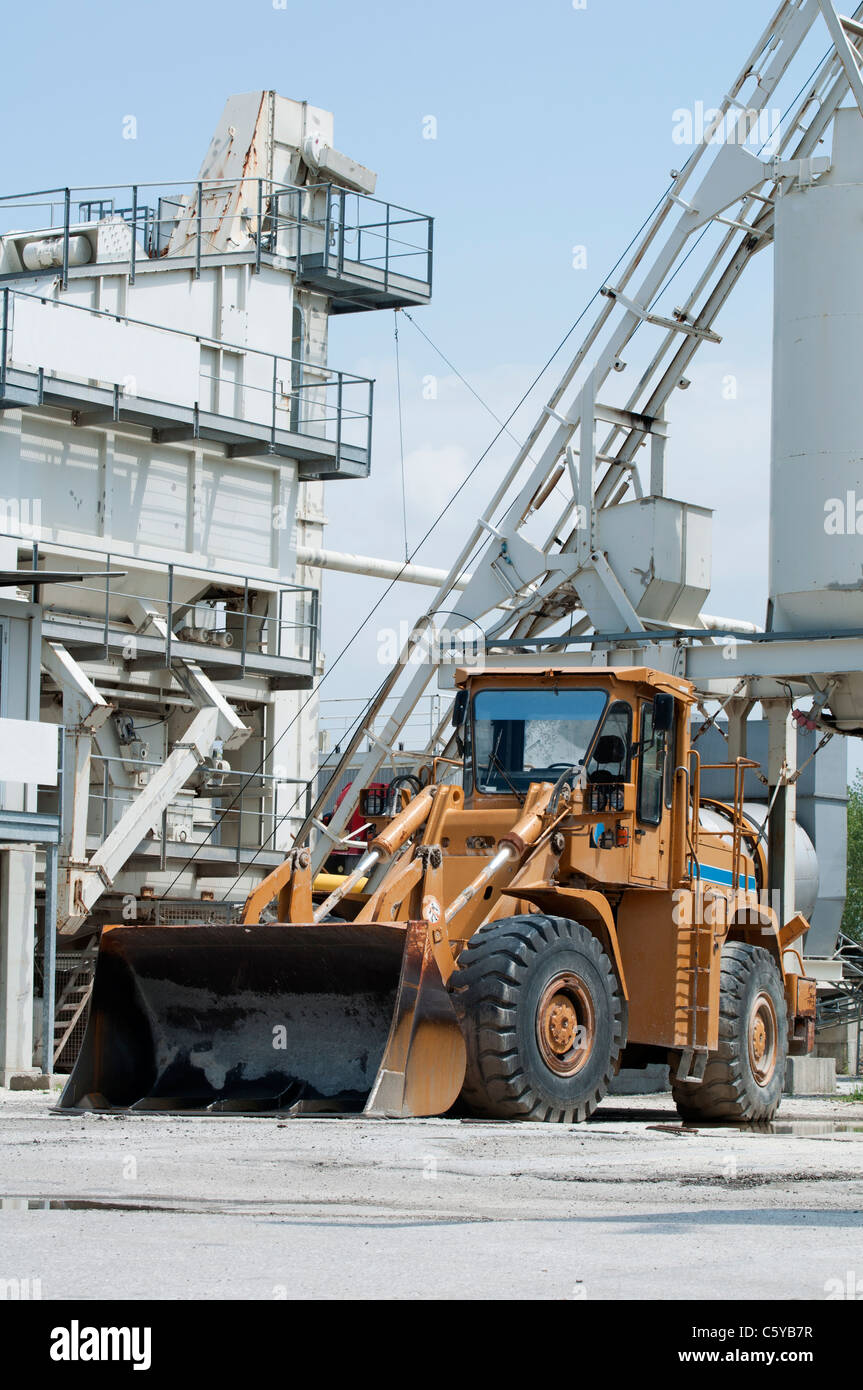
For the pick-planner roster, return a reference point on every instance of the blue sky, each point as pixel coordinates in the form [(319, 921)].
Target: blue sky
[(554, 124), (554, 129)]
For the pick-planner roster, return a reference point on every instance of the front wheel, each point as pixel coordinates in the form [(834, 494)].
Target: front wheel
[(543, 1020), (743, 1080)]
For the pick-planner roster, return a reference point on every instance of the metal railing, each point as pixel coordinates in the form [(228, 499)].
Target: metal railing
[(337, 717), (273, 390), (220, 616), (337, 720), (357, 234), (740, 825), (195, 220), (233, 812)]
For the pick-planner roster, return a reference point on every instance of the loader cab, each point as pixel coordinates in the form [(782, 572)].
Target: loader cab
[(613, 733)]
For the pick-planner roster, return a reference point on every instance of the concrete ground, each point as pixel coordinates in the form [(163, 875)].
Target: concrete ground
[(632, 1205)]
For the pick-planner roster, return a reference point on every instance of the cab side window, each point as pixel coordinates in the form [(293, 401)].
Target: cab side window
[(651, 769), (610, 759), (670, 760)]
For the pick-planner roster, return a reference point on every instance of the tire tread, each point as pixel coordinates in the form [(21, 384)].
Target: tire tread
[(492, 969), (723, 1092)]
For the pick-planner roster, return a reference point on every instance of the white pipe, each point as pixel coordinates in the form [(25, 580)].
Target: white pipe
[(714, 624), (374, 567)]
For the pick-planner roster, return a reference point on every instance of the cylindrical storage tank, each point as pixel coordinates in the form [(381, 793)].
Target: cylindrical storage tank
[(806, 879), (805, 858), (816, 482), (47, 252)]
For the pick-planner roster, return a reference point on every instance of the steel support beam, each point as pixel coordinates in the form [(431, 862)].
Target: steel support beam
[(782, 659), (201, 690), (782, 791), (91, 880), (737, 711), (84, 712), (848, 55), (17, 929), (49, 958)]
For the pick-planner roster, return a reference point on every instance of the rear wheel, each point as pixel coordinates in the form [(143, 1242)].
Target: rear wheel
[(743, 1080), (542, 1017)]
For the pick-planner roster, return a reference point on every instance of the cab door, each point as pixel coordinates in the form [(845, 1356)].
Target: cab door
[(651, 840)]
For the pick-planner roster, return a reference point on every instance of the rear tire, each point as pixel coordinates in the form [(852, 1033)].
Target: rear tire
[(542, 1017), (742, 1081)]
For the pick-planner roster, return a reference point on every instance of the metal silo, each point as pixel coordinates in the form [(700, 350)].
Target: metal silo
[(816, 505)]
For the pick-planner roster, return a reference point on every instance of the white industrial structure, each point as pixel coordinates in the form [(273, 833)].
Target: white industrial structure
[(580, 550), (816, 574), (173, 440), (168, 419)]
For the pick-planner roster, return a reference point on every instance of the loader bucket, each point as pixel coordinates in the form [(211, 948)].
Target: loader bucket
[(297, 1018)]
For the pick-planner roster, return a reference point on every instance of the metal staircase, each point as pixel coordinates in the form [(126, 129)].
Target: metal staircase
[(843, 1003), (73, 1001), (536, 566)]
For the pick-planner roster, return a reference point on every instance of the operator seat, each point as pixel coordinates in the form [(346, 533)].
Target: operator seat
[(610, 749)]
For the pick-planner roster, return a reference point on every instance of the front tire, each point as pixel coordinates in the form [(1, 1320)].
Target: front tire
[(743, 1080), (543, 1020)]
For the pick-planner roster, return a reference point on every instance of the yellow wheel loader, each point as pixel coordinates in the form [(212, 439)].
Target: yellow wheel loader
[(554, 903)]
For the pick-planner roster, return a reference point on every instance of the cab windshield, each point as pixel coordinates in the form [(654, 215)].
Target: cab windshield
[(524, 736)]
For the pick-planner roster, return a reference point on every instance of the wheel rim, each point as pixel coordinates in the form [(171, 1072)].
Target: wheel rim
[(763, 1034), (565, 1024)]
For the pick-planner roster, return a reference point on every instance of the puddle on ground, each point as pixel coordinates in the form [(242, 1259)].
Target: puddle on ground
[(811, 1129), (802, 1126), (817, 1127), (105, 1204), (250, 1208)]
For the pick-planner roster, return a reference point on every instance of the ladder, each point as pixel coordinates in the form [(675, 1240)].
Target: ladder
[(73, 1000), (696, 940), (531, 555)]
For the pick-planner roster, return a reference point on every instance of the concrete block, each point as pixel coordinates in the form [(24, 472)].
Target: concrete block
[(844, 1042), (640, 1081), (810, 1076), (21, 1080)]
